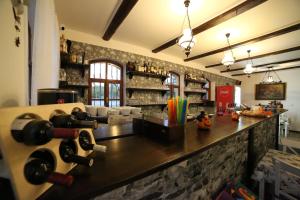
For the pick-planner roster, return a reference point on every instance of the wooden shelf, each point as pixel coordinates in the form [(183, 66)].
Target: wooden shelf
[(146, 74), (77, 86), (162, 105), (65, 63), (132, 89), (202, 82), (203, 103), (195, 91), (64, 84)]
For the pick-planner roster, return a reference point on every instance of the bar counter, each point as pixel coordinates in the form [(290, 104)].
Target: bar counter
[(136, 167)]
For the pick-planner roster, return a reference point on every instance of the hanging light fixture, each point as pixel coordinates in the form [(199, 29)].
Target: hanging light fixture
[(249, 66), (187, 40), (228, 59), (269, 77)]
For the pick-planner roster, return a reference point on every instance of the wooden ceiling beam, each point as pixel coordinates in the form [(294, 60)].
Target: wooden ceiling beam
[(286, 30), (263, 65), (243, 74), (260, 56), (233, 12), (122, 12)]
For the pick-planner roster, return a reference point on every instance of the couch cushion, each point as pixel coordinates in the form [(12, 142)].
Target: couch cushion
[(135, 110), (102, 111), (92, 110), (113, 111)]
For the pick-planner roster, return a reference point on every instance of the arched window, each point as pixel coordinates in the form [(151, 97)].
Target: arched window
[(105, 84), (173, 82)]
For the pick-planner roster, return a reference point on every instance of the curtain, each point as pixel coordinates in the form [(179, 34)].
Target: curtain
[(45, 46)]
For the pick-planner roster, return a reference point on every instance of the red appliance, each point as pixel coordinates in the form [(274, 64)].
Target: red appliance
[(228, 97)]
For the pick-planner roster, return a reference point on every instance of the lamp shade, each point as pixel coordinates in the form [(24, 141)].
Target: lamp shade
[(228, 59), (187, 39), (248, 69)]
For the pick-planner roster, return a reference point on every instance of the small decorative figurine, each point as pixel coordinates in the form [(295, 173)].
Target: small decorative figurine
[(235, 116), (203, 121)]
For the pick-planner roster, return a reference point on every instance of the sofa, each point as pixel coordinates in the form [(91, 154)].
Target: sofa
[(114, 115)]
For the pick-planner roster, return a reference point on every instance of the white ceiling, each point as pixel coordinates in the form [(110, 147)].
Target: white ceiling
[(154, 22)]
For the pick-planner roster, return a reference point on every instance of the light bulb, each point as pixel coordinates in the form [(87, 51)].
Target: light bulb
[(248, 69), (228, 59), (270, 79), (187, 39)]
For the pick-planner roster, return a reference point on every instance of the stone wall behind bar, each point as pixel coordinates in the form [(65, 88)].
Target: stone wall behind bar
[(97, 52)]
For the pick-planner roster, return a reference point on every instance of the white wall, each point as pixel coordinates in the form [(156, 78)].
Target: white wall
[(292, 102), (122, 46), (14, 60), (45, 46)]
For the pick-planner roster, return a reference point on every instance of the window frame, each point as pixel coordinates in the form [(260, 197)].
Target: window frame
[(172, 86), (105, 81)]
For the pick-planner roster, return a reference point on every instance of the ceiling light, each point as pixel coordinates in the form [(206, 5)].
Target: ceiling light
[(228, 59), (249, 66), (187, 40), (268, 78)]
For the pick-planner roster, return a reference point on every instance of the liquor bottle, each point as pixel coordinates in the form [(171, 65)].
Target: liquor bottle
[(85, 141), (68, 153), (39, 170), (62, 120), (80, 115), (145, 67), (38, 132)]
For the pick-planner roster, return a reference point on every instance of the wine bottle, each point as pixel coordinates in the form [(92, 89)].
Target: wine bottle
[(39, 132), (38, 171), (69, 121), (80, 115), (85, 141), (67, 151)]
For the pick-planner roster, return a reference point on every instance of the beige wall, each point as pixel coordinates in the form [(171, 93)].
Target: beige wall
[(13, 67), (291, 77)]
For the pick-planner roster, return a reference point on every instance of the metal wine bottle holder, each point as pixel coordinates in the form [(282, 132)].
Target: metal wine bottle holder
[(15, 154)]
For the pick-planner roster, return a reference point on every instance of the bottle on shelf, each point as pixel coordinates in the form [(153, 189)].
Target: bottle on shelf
[(40, 167), (68, 153), (85, 142), (32, 131), (63, 120)]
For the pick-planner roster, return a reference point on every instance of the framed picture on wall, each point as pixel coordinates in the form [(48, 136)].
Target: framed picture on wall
[(271, 91)]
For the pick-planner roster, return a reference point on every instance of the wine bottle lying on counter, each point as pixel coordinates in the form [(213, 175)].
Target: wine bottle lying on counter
[(39, 169), (80, 115), (68, 153), (85, 142), (62, 120), (38, 132)]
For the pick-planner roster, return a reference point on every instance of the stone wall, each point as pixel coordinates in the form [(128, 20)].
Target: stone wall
[(196, 178), (97, 52), (263, 138), (202, 175)]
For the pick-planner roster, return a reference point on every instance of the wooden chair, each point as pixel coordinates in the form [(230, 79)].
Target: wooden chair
[(281, 169)]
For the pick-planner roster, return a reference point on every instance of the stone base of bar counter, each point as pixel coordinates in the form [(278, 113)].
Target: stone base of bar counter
[(137, 167), (201, 176), (196, 178)]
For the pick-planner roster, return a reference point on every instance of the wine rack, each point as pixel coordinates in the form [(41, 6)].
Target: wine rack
[(16, 154)]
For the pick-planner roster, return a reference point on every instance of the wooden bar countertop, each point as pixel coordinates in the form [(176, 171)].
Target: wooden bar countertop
[(131, 158)]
